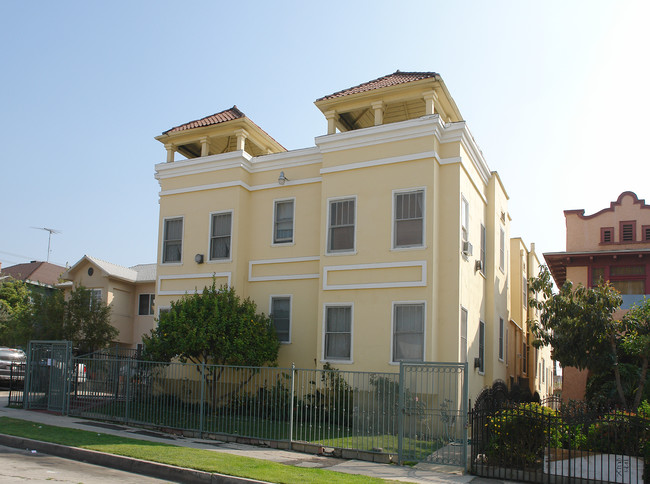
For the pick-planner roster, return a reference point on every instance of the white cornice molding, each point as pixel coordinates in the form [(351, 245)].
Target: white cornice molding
[(239, 159), (238, 183), (385, 133), (381, 161), (459, 132), (422, 264)]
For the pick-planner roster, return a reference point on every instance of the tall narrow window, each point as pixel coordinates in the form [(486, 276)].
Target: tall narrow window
[(464, 219), (483, 247), (408, 332), (172, 240), (281, 316), (463, 335), (501, 336), (543, 371), (524, 291), (338, 333), (502, 249), (524, 356), (341, 229), (283, 222), (95, 297), (481, 347), (409, 219), (220, 235)]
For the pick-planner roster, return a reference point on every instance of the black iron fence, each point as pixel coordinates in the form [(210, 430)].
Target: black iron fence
[(533, 443), (16, 384)]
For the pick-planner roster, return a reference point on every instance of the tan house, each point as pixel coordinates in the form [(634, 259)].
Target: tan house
[(610, 245), (386, 241), (129, 291)]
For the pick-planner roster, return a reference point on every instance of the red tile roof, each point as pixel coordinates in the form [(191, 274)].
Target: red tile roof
[(36, 271), (390, 80), (222, 117)]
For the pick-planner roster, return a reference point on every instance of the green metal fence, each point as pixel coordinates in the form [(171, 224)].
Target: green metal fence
[(415, 415)]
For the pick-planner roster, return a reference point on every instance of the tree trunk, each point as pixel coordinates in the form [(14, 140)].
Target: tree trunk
[(617, 374), (639, 391)]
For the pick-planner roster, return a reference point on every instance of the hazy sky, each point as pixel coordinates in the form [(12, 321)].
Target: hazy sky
[(554, 92)]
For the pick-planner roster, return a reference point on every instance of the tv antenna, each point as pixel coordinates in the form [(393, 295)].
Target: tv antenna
[(49, 238)]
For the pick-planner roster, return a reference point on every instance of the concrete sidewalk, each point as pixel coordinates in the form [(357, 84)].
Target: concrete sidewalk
[(421, 473)]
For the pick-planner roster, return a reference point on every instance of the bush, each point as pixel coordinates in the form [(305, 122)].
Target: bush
[(518, 435)]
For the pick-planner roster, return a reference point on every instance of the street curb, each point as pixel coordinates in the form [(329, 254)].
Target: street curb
[(128, 464)]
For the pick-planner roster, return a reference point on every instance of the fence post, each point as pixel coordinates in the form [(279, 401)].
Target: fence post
[(128, 390), (293, 373), (400, 416), (201, 407)]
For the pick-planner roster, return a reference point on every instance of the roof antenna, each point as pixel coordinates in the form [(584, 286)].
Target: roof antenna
[(49, 238)]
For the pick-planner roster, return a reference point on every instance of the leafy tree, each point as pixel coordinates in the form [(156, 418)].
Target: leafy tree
[(214, 326), (579, 324), (636, 341), (86, 321), (15, 303)]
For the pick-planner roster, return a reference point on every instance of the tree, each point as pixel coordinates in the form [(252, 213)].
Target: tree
[(214, 326), (579, 325), (15, 302), (86, 321), (636, 341)]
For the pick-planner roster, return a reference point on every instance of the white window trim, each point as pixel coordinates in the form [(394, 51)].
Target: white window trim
[(482, 251), (502, 267), (352, 251), (290, 296), (423, 245), (232, 246), (392, 329), (324, 327), (460, 335), (162, 308), (464, 221), (92, 291), (162, 241), (293, 223)]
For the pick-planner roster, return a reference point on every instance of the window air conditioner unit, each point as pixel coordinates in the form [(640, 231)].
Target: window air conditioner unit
[(467, 248), (478, 266)]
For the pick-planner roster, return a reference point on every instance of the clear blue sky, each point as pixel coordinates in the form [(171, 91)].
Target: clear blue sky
[(555, 93)]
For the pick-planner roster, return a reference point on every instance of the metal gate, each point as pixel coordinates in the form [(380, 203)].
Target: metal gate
[(47, 379), (433, 419)]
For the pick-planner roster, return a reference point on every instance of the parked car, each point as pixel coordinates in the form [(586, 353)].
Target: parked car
[(9, 356)]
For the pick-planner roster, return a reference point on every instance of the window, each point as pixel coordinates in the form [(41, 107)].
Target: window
[(464, 219), (606, 235), (627, 279), (409, 219), (95, 297), (283, 222), (220, 232), (341, 225), (281, 316), (543, 371), (145, 305), (408, 332), (338, 333), (524, 291), (523, 357), (646, 233), (481, 347), (628, 231), (507, 342), (501, 335), (463, 335), (483, 247), (172, 240), (502, 249)]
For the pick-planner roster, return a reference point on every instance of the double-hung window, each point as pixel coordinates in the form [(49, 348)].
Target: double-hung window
[(463, 335), (338, 333), (464, 219), (95, 297), (408, 332), (172, 240), (283, 222), (220, 235), (145, 304), (483, 247), (502, 249), (341, 228), (408, 230), (501, 336), (281, 316)]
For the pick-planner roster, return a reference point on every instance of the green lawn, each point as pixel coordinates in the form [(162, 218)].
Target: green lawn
[(203, 460)]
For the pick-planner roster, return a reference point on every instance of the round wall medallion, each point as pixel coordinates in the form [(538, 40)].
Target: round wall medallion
[(90, 271)]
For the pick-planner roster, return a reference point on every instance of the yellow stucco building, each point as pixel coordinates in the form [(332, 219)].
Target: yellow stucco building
[(388, 240)]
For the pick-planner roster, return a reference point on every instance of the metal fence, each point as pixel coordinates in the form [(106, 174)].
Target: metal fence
[(418, 414), (16, 383), (528, 442)]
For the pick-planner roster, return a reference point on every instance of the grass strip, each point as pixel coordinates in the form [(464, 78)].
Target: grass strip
[(199, 459)]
